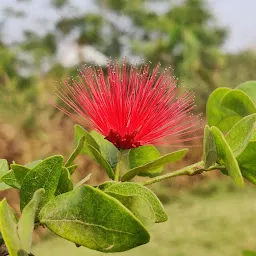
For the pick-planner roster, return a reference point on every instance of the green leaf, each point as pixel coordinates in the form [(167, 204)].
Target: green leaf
[(89, 217), (106, 184), (33, 164), (19, 172), (249, 88), (240, 134), (65, 184), (217, 114), (8, 226), (247, 162), (10, 179), (226, 157), (81, 182), (107, 149), (92, 149), (172, 157), (135, 192), (89, 140), (239, 102), (249, 253), (72, 168), (102, 161), (4, 168), (26, 222), (143, 155), (210, 153), (76, 152), (45, 175)]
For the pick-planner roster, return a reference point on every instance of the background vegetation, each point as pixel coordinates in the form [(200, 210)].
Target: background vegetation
[(206, 218)]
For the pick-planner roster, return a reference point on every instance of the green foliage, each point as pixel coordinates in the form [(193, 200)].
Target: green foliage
[(45, 175), (105, 226), (210, 153), (8, 224), (241, 133), (152, 165), (3, 170), (249, 253), (226, 157), (142, 155), (249, 88), (130, 193), (26, 222)]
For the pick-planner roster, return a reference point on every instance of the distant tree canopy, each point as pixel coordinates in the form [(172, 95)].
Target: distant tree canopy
[(182, 35)]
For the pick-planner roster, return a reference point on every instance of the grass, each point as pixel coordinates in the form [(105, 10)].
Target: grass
[(213, 218)]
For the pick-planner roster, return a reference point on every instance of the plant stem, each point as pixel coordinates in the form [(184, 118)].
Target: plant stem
[(190, 170), (118, 166)]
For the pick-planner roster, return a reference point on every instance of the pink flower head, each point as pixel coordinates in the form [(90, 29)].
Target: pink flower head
[(131, 106)]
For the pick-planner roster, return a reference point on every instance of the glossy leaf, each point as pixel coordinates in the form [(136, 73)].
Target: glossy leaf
[(8, 226), (76, 151), (107, 149), (65, 184), (135, 191), (249, 88), (45, 175), (26, 222), (210, 152), (142, 155), (89, 217), (226, 157), (217, 114), (19, 172), (241, 133), (239, 102), (172, 157)]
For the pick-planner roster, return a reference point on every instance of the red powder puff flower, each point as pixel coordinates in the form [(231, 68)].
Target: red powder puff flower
[(131, 106)]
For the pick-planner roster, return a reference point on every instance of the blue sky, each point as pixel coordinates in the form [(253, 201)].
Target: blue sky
[(239, 16)]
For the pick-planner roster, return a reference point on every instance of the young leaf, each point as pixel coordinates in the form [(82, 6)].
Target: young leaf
[(76, 152), (65, 184), (72, 168), (247, 162), (8, 225), (240, 134), (217, 114), (102, 161), (89, 140), (239, 102), (10, 179), (33, 164), (133, 190), (210, 153), (26, 222), (226, 157), (249, 88), (19, 172), (89, 217), (143, 155), (4, 168), (45, 175), (168, 158), (107, 149)]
